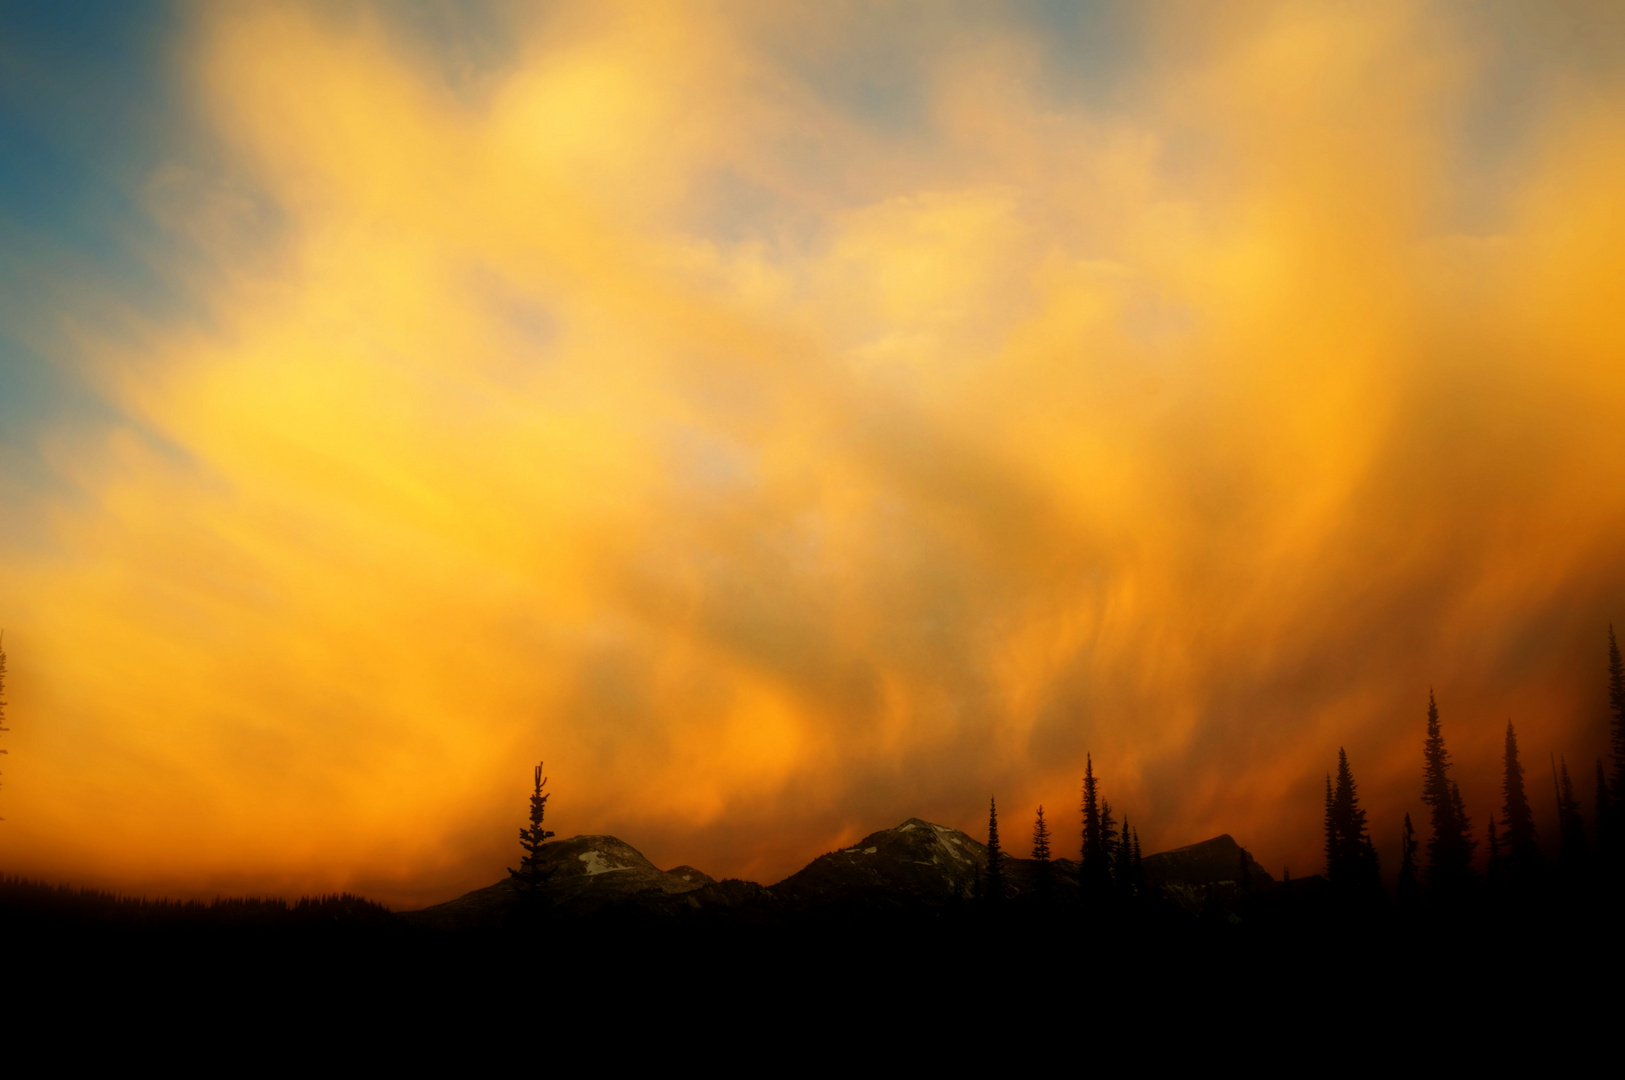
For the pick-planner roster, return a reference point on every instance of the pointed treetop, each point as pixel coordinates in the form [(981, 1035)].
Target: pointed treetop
[(1451, 845), (1094, 868), (532, 874), (1351, 863), (1041, 850), (995, 855), (1523, 857)]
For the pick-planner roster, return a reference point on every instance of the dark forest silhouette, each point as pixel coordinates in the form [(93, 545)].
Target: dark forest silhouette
[(1447, 874), (925, 891)]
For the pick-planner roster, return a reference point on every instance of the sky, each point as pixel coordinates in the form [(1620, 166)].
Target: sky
[(788, 419)]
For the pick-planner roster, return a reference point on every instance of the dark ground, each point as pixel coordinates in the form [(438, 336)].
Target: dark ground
[(1254, 983)]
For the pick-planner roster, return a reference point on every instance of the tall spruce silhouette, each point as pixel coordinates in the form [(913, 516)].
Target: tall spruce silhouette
[(1094, 872), (532, 874), (1043, 869), (1572, 847), (1123, 860), (1522, 855), (1409, 890), (995, 856), (1450, 848), (1351, 861)]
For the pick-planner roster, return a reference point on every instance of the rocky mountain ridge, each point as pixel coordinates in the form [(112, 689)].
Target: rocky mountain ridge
[(914, 865)]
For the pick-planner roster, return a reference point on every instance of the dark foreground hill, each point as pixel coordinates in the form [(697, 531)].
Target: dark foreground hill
[(890, 926)]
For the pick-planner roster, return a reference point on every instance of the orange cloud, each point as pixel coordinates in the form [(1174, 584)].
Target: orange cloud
[(778, 477)]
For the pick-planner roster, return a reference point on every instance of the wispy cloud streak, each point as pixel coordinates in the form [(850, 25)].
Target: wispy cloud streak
[(780, 465)]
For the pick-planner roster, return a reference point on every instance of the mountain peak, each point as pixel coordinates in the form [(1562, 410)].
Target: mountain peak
[(586, 874), (914, 862), (1210, 862), (689, 874)]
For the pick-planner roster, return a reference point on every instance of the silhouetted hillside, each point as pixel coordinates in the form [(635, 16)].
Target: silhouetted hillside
[(24, 900)]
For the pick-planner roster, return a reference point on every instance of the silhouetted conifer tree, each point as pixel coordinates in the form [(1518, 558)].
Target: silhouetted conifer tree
[(532, 874), (1043, 870), (1123, 863), (1139, 867), (1351, 861), (1572, 847), (1522, 856), (1450, 848), (1408, 891), (1094, 871), (995, 856)]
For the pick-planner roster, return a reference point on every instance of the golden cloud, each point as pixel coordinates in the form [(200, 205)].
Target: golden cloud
[(777, 477)]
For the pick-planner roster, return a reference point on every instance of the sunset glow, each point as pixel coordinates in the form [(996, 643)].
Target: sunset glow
[(787, 420)]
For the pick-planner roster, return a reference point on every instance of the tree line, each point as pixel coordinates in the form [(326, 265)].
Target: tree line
[(1517, 863), (1444, 869), (1109, 863)]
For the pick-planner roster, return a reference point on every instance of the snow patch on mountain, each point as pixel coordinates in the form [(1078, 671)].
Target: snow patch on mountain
[(596, 865)]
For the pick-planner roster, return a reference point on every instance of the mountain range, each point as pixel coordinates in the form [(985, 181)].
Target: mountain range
[(916, 865)]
